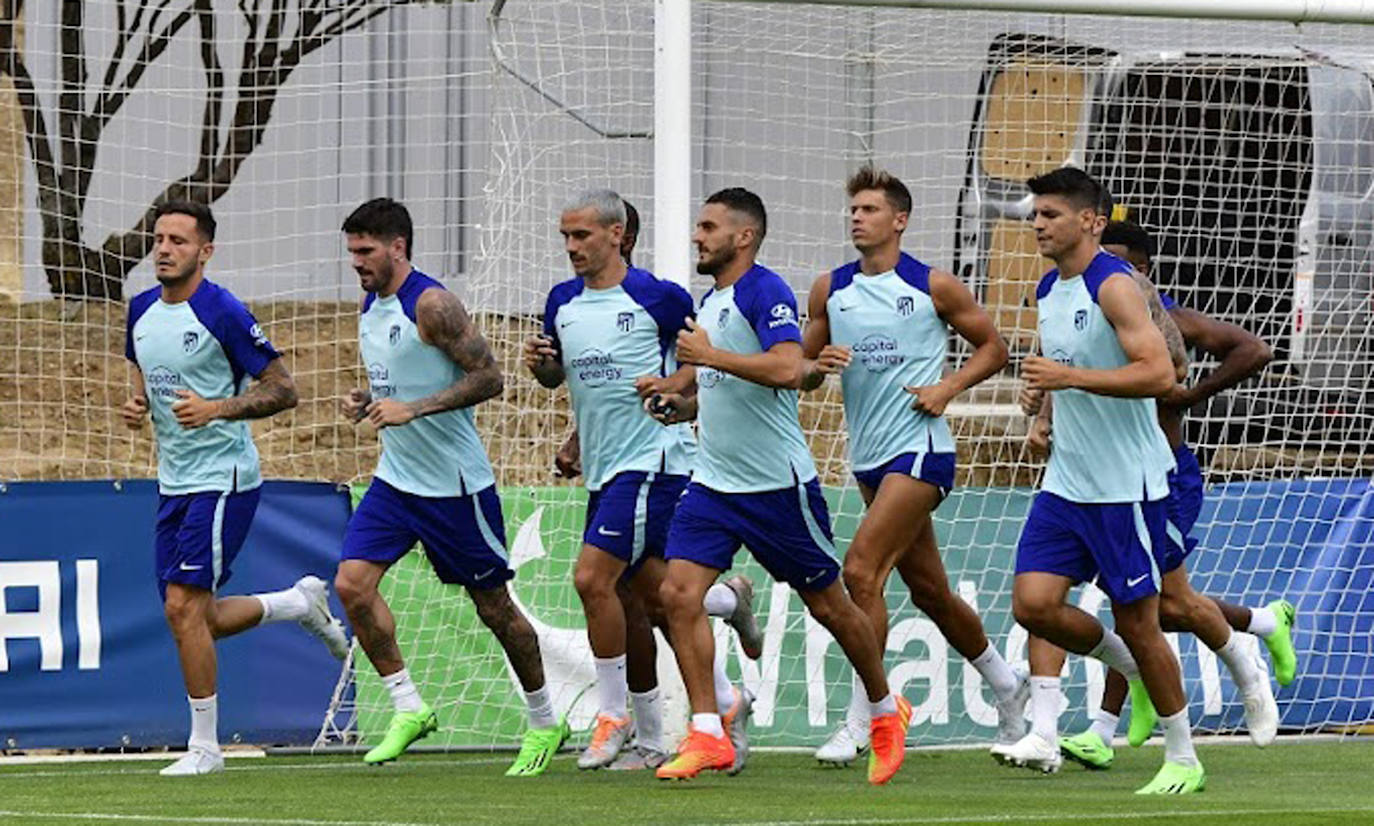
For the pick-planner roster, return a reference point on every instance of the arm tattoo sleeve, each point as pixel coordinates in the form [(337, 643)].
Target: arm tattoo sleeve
[(273, 392), (1178, 350), (445, 324)]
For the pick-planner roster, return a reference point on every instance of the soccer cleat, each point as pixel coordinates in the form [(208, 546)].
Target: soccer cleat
[(538, 748), (1087, 750), (608, 738), (736, 723), (1030, 752), (843, 747), (1011, 712), (638, 758), (742, 619), (887, 733), (195, 761), (1143, 714), (699, 752), (1261, 712), (318, 620), (405, 728), (1280, 643), (1176, 778)]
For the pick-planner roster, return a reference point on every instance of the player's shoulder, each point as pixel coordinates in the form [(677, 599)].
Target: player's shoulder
[(1046, 284), (212, 302), (413, 288), (564, 291), (914, 272), (646, 288), (1102, 268), (139, 304), (842, 276)]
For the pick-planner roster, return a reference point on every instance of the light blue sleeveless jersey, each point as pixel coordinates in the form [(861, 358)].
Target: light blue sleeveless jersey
[(607, 339), (749, 437), (898, 340), (438, 455), (210, 345), (1105, 449)]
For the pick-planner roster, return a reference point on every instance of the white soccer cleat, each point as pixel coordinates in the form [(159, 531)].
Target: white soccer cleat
[(608, 738), (1011, 712), (638, 758), (736, 723), (195, 761), (1261, 712), (742, 619), (1030, 752), (318, 619), (843, 747)]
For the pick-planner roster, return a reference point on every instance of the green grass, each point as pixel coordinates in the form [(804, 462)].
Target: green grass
[(1289, 783)]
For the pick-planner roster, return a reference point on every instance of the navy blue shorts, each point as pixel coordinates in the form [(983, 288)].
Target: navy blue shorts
[(787, 530), (463, 536), (628, 518), (1184, 505), (932, 468), (1121, 544), (199, 534)]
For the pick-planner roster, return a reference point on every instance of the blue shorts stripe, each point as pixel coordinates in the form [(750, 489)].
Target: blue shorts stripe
[(217, 541), (817, 535), (641, 517), (1142, 535), (496, 545)]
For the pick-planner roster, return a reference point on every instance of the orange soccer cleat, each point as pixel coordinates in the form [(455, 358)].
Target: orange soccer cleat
[(699, 752), (888, 740)]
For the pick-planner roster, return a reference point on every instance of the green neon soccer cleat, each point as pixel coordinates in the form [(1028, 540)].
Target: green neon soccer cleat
[(406, 727), (1088, 750), (538, 748)]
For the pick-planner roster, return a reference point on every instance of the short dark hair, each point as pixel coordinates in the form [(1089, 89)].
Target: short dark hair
[(742, 200), (871, 177), (1073, 184), (631, 219), (205, 220), (1130, 235), (382, 218)]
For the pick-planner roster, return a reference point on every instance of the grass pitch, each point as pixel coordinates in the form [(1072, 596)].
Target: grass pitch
[(1290, 783)]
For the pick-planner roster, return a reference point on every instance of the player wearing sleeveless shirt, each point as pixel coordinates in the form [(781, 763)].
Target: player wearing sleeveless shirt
[(427, 365), (882, 324)]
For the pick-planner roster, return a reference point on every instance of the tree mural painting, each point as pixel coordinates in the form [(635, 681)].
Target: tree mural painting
[(91, 89)]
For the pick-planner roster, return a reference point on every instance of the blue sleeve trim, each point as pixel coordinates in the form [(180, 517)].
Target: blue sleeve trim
[(561, 294), (1043, 288), (409, 293), (914, 272), (137, 307), (666, 303), (1104, 265), (1168, 301), (368, 299), (769, 305), (239, 335), (842, 277)]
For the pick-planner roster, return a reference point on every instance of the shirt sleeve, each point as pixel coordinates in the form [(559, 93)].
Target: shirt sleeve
[(772, 311), (243, 339), (551, 305)]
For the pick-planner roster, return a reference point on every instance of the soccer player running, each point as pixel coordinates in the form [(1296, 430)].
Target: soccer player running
[(1101, 511), (754, 483), (1240, 355), (194, 347), (427, 365), (882, 323), (610, 333)]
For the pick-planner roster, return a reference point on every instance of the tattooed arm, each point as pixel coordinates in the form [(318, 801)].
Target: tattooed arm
[(445, 324), (273, 392), (1178, 350)]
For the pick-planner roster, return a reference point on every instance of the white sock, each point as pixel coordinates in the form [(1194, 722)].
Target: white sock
[(708, 724), (648, 719), (858, 718), (610, 685), (1178, 739), (1240, 663), (289, 605), (997, 673), (1262, 622), (1104, 724), (404, 695), (887, 705), (204, 723), (1044, 703), (541, 708), (725, 692), (1112, 650), (720, 600)]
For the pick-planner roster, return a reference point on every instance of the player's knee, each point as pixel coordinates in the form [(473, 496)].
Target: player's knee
[(677, 599), (181, 610), (351, 591), (592, 587), (861, 581), (930, 597), (1034, 615), (1175, 613)]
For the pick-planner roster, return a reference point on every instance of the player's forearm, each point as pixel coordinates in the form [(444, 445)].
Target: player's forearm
[(769, 369), (549, 374), (473, 388), (265, 398), (812, 376), (1244, 361), (988, 358), (1139, 379)]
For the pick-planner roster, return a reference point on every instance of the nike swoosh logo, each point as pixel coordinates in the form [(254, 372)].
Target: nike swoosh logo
[(845, 309), (814, 577), (601, 529), (186, 567), (140, 338), (483, 575), (1131, 583), (563, 325)]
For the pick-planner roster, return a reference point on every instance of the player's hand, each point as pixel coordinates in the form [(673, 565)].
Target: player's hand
[(538, 350), (693, 344), (354, 404), (833, 359), (1038, 438), (1030, 400), (135, 411), (670, 408), (1178, 398), (932, 399), (568, 460), (647, 386), (1041, 373), (389, 413), (192, 411)]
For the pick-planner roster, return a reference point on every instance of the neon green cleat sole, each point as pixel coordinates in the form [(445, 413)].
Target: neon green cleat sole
[(1087, 750), (538, 748), (1175, 778), (1280, 643), (405, 728), (1143, 715)]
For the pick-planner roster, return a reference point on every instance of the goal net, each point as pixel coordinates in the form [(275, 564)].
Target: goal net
[(1246, 148)]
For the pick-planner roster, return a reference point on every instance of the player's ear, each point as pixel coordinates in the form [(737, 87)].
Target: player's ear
[(901, 221), (206, 250)]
